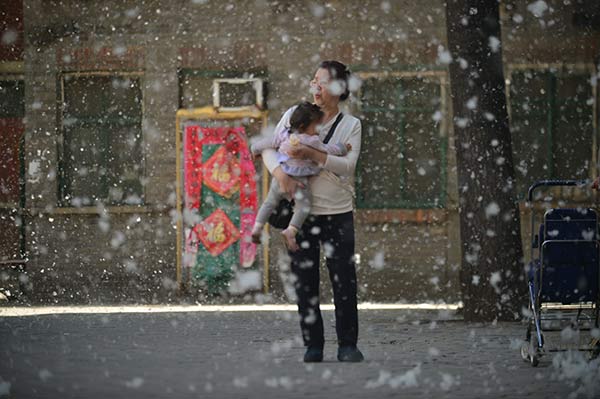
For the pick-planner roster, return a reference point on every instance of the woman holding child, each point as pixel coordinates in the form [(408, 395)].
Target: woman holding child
[(329, 220)]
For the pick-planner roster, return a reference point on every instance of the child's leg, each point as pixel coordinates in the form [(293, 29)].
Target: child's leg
[(303, 203), (268, 206)]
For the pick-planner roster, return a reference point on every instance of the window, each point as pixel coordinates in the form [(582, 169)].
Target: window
[(102, 158), (196, 88), (12, 97), (12, 195), (12, 111), (403, 156), (552, 125)]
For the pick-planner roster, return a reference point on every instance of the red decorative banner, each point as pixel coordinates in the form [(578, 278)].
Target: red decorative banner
[(230, 168)]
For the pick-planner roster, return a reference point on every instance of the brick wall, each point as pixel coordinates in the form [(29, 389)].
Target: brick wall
[(73, 260)]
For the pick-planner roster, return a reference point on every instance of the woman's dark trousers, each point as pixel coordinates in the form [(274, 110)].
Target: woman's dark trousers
[(335, 235)]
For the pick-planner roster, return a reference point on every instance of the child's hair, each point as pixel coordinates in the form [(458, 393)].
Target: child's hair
[(305, 114)]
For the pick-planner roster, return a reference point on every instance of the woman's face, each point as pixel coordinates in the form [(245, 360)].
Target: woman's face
[(319, 87)]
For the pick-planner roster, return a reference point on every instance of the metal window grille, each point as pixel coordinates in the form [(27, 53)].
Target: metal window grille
[(404, 141), (553, 122), (101, 155)]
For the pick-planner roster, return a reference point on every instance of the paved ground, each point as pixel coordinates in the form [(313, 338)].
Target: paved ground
[(258, 355)]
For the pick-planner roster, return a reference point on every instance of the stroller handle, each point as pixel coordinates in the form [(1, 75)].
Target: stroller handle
[(546, 183)]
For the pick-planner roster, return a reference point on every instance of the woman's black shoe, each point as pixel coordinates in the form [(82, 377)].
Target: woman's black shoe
[(350, 354), (313, 355)]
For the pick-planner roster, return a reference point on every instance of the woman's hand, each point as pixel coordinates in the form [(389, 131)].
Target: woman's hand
[(596, 183), (287, 184)]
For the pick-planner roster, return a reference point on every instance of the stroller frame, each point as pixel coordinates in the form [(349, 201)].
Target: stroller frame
[(560, 255)]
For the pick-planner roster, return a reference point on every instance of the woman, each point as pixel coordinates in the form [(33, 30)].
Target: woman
[(331, 222)]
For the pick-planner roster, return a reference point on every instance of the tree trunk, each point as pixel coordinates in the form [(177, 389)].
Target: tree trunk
[(491, 276)]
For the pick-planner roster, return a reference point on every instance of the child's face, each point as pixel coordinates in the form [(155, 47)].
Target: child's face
[(312, 130)]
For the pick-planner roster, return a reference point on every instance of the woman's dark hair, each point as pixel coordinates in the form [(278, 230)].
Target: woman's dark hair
[(305, 114), (338, 71)]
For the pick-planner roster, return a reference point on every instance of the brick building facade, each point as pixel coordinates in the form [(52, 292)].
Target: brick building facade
[(125, 67)]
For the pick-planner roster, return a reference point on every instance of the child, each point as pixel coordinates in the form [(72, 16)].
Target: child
[(302, 130)]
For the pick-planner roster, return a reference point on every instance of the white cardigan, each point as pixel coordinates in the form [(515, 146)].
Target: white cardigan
[(332, 189)]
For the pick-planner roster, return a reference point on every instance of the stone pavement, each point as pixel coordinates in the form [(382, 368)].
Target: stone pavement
[(257, 354)]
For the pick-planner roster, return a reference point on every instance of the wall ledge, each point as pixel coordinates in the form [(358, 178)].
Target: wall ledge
[(418, 216)]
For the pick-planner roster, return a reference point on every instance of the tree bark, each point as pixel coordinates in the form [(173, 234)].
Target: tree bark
[(491, 276)]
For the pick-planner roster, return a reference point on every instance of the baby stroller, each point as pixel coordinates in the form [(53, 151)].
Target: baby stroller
[(563, 279)]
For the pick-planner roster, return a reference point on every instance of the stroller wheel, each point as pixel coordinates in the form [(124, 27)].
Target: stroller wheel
[(535, 360), (525, 351), (525, 348), (532, 351), (594, 348)]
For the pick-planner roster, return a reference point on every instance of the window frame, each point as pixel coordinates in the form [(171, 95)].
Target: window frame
[(442, 81), (62, 202), (555, 69)]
